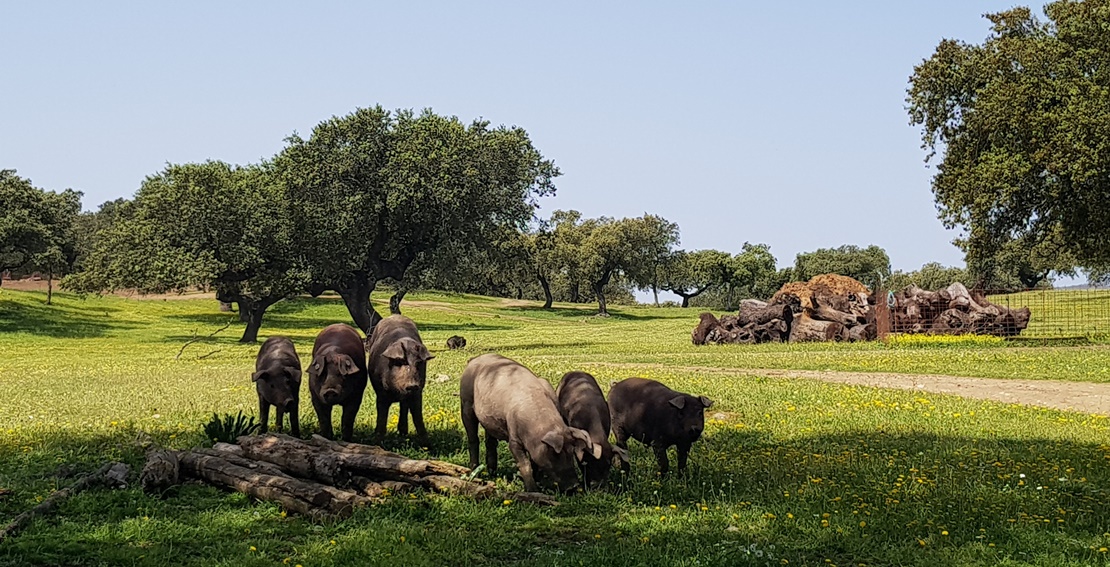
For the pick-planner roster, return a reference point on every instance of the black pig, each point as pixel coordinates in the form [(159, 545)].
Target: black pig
[(658, 417), (277, 377), (337, 376), (582, 405), (398, 370)]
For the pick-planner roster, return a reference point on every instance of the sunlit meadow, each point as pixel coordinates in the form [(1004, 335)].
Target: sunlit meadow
[(789, 472)]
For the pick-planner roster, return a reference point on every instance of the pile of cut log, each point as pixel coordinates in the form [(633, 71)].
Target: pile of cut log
[(954, 310), (316, 478), (828, 307)]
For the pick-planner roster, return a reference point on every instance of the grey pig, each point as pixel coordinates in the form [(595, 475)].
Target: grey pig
[(513, 404)]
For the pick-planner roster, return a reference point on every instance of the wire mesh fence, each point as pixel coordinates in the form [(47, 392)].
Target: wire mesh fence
[(1060, 313)]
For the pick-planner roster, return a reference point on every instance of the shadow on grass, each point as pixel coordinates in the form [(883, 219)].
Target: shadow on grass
[(63, 320), (846, 498), (615, 313)]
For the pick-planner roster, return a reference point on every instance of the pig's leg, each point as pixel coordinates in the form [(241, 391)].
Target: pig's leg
[(264, 415), (416, 405), (350, 412), (524, 465), (491, 453), (295, 419), (470, 424), (383, 417), (683, 452), (323, 416), (280, 411), (622, 441), (661, 456), (403, 418)]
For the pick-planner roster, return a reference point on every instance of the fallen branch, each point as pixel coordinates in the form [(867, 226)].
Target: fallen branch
[(195, 339), (111, 474)]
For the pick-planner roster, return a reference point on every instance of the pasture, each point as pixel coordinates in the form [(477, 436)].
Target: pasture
[(789, 472)]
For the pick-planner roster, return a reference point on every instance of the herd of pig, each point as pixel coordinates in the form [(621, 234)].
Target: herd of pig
[(552, 433)]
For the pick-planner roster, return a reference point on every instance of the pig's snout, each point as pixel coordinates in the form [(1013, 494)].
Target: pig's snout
[(412, 388), (329, 395), (287, 403)]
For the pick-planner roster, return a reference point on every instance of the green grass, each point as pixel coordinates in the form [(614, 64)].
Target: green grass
[(789, 470)]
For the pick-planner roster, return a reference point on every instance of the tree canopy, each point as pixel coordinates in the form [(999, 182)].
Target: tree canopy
[(36, 226), (1022, 122), (869, 265), (373, 190)]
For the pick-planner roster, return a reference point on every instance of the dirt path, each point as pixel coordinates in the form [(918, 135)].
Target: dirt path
[(1074, 396)]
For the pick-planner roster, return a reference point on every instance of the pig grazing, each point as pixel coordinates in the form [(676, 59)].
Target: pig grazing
[(456, 342), (656, 416), (582, 405), (398, 368), (514, 405), (337, 376), (277, 377)]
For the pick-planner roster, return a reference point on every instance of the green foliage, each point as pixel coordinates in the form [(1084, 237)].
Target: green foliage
[(1023, 123), (870, 266), (35, 225), (229, 428), (373, 191), (931, 276)]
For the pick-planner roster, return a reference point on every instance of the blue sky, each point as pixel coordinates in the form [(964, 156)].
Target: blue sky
[(774, 122)]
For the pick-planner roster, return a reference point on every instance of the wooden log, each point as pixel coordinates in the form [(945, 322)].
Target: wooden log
[(756, 312), (397, 487), (366, 486), (773, 331), (863, 332), (110, 474), (160, 470), (228, 448), (301, 496), (259, 466), (458, 487), (537, 498), (807, 329), (336, 466), (439, 467)]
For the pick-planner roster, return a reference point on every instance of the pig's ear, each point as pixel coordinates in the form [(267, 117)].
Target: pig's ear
[(294, 373), (705, 401), (678, 402), (260, 375), (582, 443), (317, 366), (554, 440), (596, 451), (620, 456), (346, 365), (395, 351), (422, 353)]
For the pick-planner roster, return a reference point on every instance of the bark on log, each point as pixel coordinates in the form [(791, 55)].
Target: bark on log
[(459, 487), (861, 333), (259, 466), (807, 329), (303, 497), (759, 313), (439, 467), (336, 466), (160, 471), (113, 474)]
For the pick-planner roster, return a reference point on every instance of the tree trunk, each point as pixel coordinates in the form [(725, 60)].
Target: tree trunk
[(575, 297), (655, 292), (49, 287), (357, 299), (685, 299), (546, 285), (254, 309), (395, 301), (807, 329), (599, 291)]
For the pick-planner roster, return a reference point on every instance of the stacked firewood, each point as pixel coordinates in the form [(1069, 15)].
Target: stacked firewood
[(828, 307), (316, 478), (954, 310)]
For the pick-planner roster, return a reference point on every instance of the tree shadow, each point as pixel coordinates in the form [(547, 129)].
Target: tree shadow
[(615, 313), (61, 321)]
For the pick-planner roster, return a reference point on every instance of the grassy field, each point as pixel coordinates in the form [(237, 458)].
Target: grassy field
[(790, 472)]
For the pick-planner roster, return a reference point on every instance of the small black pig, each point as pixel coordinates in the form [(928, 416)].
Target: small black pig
[(456, 342), (656, 416), (582, 405), (398, 370), (277, 377), (514, 405), (337, 377)]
